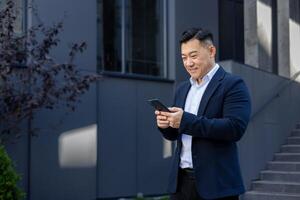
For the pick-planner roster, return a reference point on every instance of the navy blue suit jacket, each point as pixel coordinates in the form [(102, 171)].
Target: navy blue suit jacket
[(221, 121)]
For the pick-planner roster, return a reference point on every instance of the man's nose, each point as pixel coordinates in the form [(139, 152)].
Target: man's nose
[(189, 62)]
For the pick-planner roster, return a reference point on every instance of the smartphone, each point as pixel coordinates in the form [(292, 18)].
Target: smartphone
[(158, 105)]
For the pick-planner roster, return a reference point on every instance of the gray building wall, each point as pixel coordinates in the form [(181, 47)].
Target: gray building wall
[(269, 128), (190, 14), (54, 174), (132, 156), (272, 32)]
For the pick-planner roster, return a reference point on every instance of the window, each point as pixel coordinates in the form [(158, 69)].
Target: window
[(19, 11), (231, 30), (131, 36)]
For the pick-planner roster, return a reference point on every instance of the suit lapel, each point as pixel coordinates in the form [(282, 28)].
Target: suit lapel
[(184, 92), (212, 86)]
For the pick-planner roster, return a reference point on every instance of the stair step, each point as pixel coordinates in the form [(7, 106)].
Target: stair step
[(288, 176), (287, 157), (291, 148), (282, 179), (296, 132), (293, 157), (293, 140), (277, 187), (283, 166), (254, 195)]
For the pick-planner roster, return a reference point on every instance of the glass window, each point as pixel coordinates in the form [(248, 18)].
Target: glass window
[(131, 36), (19, 11), (110, 38), (231, 30)]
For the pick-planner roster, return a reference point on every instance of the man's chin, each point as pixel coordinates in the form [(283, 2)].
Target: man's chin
[(194, 77)]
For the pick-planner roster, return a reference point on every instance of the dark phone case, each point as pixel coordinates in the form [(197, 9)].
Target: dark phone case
[(158, 105)]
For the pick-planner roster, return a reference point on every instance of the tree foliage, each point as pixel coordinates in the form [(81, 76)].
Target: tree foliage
[(30, 79)]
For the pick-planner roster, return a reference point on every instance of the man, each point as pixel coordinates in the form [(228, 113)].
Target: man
[(210, 114)]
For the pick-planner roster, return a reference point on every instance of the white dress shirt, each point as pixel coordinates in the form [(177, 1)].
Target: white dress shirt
[(192, 103)]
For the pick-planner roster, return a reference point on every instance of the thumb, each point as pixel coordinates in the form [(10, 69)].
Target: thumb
[(174, 109)]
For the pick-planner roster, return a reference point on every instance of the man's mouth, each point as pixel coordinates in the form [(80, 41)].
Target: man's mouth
[(193, 70)]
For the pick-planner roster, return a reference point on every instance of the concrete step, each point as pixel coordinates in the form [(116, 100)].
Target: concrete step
[(287, 176), (293, 140), (276, 187), (254, 195), (290, 148), (287, 157), (296, 132), (283, 166)]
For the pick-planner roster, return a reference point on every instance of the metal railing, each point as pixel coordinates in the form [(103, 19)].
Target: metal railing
[(275, 95)]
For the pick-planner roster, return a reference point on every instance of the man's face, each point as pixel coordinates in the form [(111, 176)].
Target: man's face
[(197, 58)]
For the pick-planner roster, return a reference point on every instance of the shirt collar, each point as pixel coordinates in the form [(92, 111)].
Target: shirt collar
[(207, 77)]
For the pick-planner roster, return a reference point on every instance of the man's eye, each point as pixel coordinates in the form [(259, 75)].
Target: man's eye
[(194, 56)]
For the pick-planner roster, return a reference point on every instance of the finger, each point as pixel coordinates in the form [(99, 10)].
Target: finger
[(161, 117), (162, 120), (168, 114), (174, 109), (162, 123)]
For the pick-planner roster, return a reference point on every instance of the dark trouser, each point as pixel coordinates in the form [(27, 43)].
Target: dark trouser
[(186, 189)]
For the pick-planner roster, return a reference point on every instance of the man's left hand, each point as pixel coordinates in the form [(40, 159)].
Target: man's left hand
[(174, 117)]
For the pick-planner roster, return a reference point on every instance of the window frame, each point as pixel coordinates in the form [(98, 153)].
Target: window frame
[(124, 46)]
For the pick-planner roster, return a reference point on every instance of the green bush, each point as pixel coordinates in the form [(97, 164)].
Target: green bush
[(8, 179)]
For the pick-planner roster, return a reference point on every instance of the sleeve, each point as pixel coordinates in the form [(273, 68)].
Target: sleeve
[(169, 133), (232, 125)]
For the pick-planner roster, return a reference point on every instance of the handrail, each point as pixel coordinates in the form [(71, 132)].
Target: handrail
[(275, 95)]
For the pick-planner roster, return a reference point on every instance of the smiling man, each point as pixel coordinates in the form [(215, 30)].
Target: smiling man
[(210, 114)]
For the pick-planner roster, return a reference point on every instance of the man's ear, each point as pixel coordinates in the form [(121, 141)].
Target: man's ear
[(212, 51)]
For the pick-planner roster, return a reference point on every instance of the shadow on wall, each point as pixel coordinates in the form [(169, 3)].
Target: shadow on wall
[(294, 11)]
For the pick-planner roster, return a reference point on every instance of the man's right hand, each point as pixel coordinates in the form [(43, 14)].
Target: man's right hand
[(161, 120)]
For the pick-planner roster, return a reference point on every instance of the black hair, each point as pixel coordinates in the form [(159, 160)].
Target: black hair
[(197, 33)]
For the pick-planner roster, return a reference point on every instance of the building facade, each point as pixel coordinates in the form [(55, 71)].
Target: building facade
[(110, 147)]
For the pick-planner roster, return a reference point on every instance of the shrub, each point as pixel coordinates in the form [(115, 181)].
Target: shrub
[(8, 179)]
